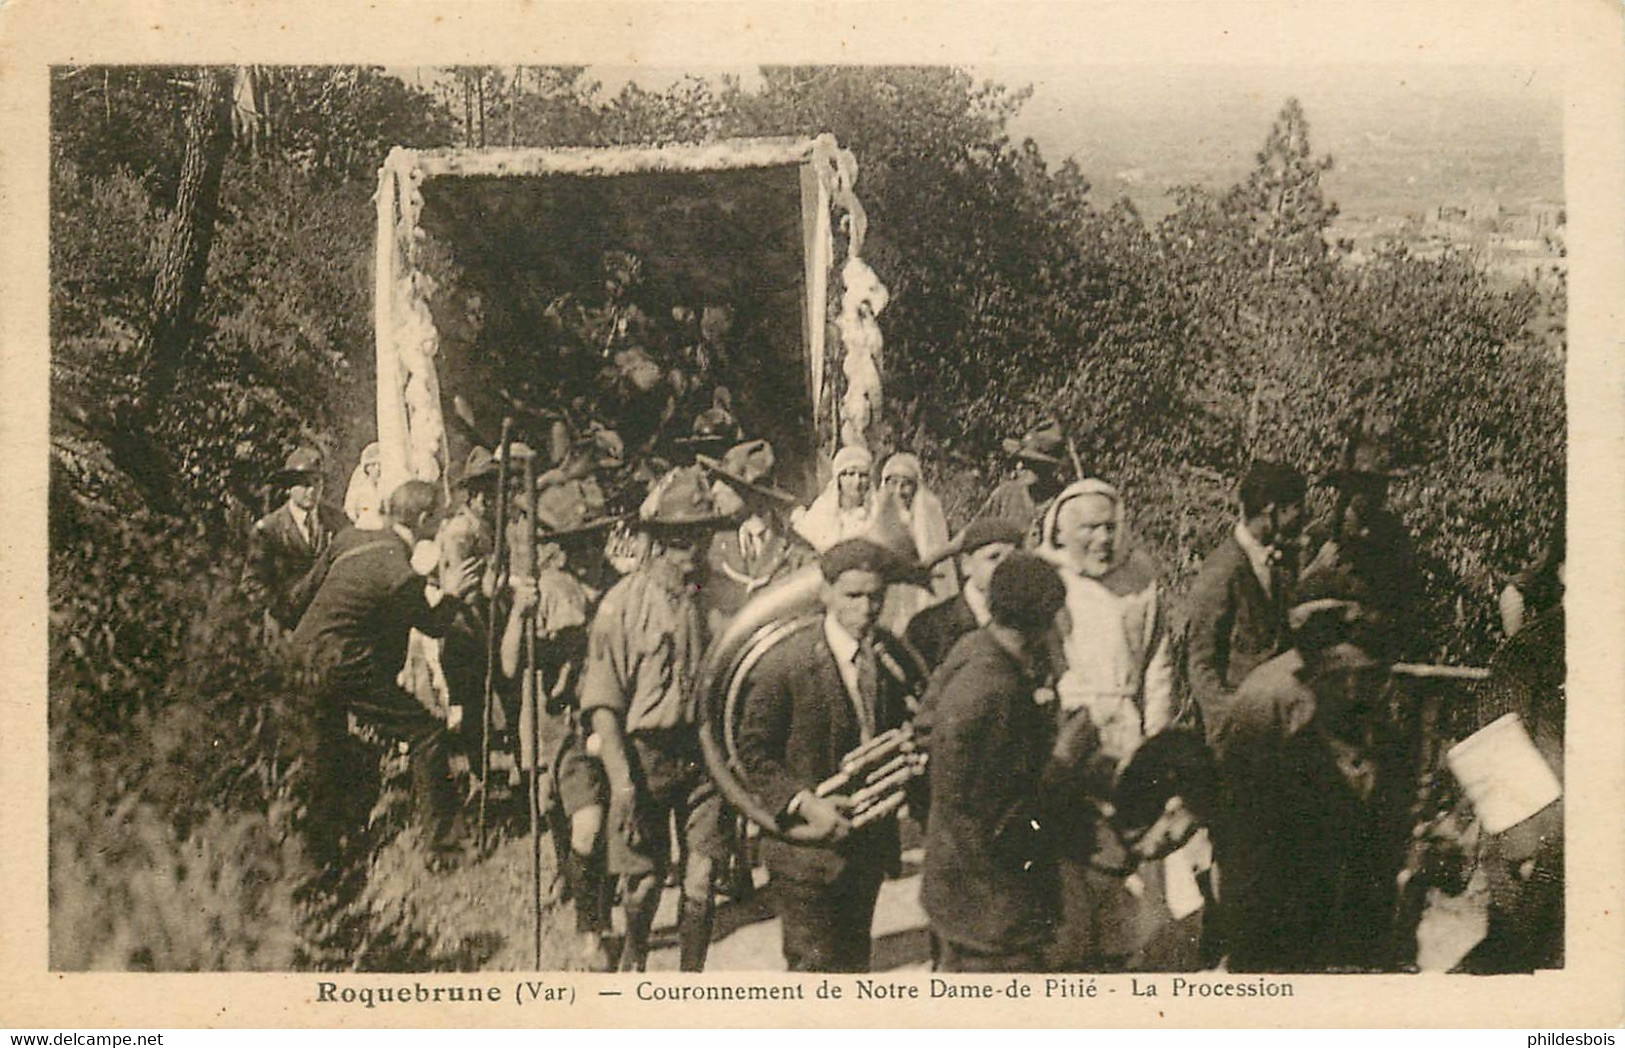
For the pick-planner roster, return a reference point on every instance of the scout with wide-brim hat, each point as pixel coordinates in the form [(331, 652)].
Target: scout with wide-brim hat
[(302, 466), (679, 501), (1044, 445), (745, 468), (563, 510), (715, 428), (481, 466)]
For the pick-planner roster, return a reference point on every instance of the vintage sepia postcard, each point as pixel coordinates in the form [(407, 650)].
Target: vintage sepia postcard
[(824, 515)]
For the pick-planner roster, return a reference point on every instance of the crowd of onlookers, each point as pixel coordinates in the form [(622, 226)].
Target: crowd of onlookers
[(1113, 782)]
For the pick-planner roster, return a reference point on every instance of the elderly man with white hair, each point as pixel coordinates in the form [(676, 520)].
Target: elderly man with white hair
[(1116, 689), (1118, 663)]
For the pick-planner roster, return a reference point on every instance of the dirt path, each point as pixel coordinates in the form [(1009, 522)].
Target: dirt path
[(747, 934), (480, 916)]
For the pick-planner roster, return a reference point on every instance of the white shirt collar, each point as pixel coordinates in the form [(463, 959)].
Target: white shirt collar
[(977, 600), (842, 643), (1258, 554), (300, 517)]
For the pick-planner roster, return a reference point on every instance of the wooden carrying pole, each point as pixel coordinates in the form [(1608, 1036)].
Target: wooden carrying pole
[(499, 571), (535, 698), (1437, 672)]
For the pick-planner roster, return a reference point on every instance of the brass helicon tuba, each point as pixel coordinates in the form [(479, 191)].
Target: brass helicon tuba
[(875, 775)]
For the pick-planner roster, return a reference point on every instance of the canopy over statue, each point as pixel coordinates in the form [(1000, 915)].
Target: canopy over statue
[(630, 288)]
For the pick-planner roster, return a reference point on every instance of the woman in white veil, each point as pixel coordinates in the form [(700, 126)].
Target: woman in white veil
[(922, 514), (363, 502), (841, 510)]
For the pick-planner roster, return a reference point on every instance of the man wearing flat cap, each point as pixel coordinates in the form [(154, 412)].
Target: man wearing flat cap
[(982, 547), (280, 575), (811, 700), (637, 694), (990, 883)]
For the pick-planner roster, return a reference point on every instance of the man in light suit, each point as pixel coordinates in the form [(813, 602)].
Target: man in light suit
[(814, 698), (281, 575), (1239, 600)]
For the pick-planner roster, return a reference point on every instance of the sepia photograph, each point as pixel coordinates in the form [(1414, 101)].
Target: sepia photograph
[(905, 520)]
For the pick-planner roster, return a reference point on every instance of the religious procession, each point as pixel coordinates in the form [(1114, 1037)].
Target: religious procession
[(715, 641)]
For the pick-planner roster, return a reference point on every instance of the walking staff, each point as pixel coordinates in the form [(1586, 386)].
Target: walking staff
[(534, 700), (499, 571)]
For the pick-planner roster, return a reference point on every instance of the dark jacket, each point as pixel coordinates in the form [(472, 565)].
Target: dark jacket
[(355, 631), (1308, 860), (1234, 626), (797, 723), (1379, 569), (277, 576), (989, 884), (935, 629)]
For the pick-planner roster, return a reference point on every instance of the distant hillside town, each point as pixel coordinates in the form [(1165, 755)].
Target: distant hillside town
[(1513, 241)]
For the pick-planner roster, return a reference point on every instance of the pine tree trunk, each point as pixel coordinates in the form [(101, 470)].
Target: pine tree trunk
[(178, 284), (177, 288), (513, 102)]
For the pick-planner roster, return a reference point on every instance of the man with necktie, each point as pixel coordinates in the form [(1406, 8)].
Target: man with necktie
[(1239, 601), (285, 546), (813, 699)]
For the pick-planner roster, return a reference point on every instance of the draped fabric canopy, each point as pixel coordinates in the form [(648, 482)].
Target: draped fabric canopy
[(481, 252)]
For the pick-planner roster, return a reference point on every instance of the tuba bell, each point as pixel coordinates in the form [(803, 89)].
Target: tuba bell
[(874, 775)]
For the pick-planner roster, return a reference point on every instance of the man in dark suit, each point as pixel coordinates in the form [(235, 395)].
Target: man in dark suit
[(1313, 820), (1238, 603), (990, 884), (983, 546), (352, 641), (285, 546), (812, 699)]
